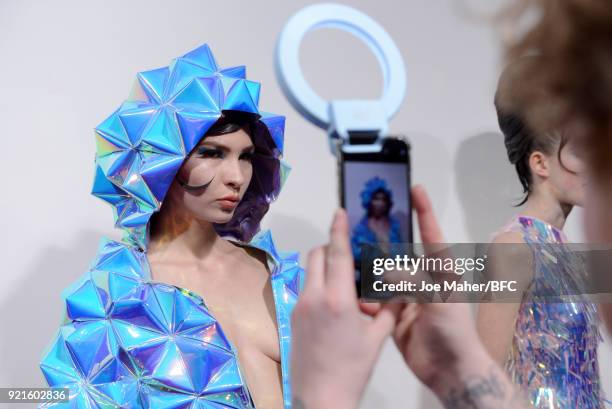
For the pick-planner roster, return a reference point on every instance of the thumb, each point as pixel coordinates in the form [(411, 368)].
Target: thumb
[(369, 308), (384, 321)]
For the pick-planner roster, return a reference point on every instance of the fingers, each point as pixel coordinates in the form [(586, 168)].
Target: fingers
[(370, 308), (428, 225), (407, 316), (315, 270), (339, 266), (384, 322)]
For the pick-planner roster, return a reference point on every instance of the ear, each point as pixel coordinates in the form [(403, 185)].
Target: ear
[(539, 164)]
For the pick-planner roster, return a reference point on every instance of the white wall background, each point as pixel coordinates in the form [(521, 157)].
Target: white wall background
[(67, 64)]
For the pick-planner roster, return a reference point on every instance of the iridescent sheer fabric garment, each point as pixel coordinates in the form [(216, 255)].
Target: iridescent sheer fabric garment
[(553, 356)]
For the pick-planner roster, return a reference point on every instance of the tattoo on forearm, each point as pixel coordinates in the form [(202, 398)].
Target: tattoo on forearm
[(485, 392)]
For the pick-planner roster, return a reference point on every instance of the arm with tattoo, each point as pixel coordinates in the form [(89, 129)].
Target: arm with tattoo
[(480, 385)]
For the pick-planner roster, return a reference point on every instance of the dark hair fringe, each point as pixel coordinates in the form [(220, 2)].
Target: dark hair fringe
[(233, 121)]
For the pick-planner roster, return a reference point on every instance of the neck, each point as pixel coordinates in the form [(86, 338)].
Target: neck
[(546, 207), (192, 240), (200, 239)]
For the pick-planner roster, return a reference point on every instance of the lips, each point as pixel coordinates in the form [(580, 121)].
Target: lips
[(230, 198), (228, 202)]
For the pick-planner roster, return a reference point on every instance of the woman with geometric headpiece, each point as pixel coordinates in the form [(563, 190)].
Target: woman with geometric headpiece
[(190, 166)]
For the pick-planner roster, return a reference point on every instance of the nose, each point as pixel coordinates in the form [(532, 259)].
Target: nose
[(234, 174)]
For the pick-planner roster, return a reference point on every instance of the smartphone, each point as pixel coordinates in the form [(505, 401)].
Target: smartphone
[(375, 192)]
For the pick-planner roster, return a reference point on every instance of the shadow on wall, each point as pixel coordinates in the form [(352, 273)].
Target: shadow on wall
[(486, 184), (291, 233), (431, 167), (31, 316)]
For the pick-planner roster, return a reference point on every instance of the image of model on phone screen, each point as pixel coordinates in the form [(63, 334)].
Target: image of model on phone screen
[(375, 191)]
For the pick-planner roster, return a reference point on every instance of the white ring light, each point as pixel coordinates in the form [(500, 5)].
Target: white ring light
[(303, 98)]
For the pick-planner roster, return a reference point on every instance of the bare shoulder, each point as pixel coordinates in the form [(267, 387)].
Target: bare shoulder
[(251, 258), (510, 245), (510, 257), (257, 255)]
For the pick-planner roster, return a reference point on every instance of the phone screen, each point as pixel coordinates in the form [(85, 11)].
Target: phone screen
[(375, 191)]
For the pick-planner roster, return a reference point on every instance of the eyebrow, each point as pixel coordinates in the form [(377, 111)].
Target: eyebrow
[(223, 147)]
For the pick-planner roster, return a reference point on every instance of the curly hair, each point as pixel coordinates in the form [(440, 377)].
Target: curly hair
[(573, 39)]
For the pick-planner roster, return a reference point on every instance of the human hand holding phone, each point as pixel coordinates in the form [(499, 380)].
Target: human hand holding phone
[(440, 344), (334, 345)]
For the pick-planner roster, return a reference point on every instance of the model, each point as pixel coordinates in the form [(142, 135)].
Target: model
[(547, 343), (159, 319), (376, 226)]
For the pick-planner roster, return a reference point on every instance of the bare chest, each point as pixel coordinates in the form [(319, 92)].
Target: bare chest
[(380, 228), (240, 299), (246, 311)]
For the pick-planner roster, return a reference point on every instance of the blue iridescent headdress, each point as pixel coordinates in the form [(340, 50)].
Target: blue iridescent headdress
[(141, 146), (372, 186)]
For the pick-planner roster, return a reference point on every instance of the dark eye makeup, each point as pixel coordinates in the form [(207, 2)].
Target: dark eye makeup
[(208, 152), (248, 155)]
